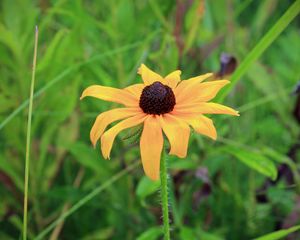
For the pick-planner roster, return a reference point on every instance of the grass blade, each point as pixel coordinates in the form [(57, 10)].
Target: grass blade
[(87, 198), (27, 165), (63, 74), (262, 45), (278, 234)]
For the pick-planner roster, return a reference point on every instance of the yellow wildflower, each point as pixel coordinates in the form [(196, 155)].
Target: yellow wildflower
[(162, 104)]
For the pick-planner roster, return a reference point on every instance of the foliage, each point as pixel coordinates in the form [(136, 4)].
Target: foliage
[(228, 189)]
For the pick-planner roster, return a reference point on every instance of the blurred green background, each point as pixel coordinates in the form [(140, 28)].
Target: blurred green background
[(242, 186)]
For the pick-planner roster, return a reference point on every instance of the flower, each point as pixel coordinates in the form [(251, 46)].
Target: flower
[(166, 105)]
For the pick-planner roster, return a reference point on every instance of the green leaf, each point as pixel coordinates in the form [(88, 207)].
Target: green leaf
[(255, 160), (86, 156), (194, 16), (50, 52), (279, 234), (182, 164), (275, 155), (187, 233), (151, 234), (146, 187), (209, 236), (283, 159), (6, 167), (5, 103), (105, 233)]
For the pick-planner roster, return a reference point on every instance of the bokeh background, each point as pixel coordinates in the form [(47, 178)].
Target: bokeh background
[(242, 186)]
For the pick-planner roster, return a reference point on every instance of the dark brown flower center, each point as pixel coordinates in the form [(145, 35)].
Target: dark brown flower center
[(157, 98)]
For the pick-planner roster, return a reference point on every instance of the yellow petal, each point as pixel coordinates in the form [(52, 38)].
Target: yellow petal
[(201, 124), (204, 92), (173, 79), (110, 94), (109, 136), (149, 76), (204, 108), (177, 132), (184, 87), (106, 118), (151, 145), (136, 90)]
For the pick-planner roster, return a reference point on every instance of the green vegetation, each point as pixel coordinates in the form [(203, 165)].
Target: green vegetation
[(243, 186)]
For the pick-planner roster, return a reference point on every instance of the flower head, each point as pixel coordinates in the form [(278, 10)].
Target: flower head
[(166, 105)]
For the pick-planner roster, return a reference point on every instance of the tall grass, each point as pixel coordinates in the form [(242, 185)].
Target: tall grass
[(262, 45), (28, 139), (86, 199), (214, 192)]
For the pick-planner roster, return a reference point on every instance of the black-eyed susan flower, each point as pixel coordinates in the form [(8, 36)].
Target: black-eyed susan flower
[(161, 104)]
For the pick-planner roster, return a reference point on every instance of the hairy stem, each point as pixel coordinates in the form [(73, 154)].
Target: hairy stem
[(164, 196)]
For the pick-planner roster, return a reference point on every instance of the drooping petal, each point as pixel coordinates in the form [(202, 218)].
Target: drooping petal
[(110, 94), (106, 118), (149, 76), (204, 92), (200, 123), (177, 132), (151, 145), (204, 108), (173, 79), (184, 87), (136, 90), (109, 136)]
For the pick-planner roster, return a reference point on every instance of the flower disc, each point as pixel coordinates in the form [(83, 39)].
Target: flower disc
[(157, 98)]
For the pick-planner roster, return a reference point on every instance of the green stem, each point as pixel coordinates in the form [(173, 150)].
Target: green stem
[(28, 137), (164, 196)]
